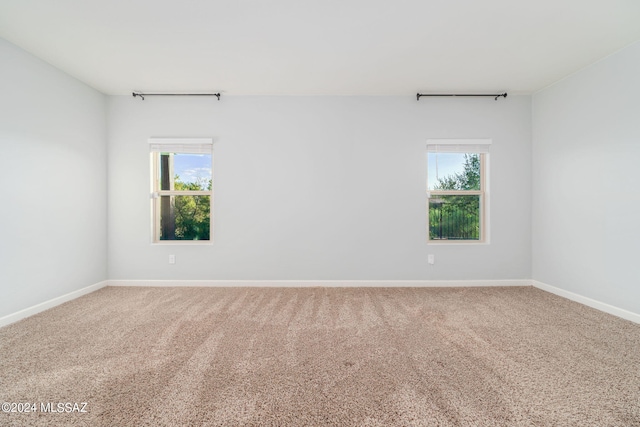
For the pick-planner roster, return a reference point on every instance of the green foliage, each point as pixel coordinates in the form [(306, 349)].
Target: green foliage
[(454, 217), (192, 213), (457, 216), (468, 179)]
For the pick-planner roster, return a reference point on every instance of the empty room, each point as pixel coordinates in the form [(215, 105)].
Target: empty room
[(320, 213)]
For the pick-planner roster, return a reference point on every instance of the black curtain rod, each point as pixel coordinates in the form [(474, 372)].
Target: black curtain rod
[(142, 95), (496, 96)]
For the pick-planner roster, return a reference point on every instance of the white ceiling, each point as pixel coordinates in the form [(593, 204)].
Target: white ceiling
[(320, 47)]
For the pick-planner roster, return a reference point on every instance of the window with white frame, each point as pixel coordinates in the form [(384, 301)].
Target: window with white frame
[(181, 189), (458, 190)]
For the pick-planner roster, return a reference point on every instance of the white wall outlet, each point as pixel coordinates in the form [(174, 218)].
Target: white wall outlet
[(431, 259), (172, 259)]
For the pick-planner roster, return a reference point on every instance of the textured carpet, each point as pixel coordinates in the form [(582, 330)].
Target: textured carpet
[(322, 356)]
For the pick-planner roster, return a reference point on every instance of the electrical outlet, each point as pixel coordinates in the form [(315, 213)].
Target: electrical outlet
[(431, 259), (172, 259)]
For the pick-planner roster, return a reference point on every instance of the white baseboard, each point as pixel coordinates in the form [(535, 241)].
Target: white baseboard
[(30, 311), (322, 283), (616, 311)]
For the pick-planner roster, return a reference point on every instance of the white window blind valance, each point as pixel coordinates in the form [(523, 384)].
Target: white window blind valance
[(458, 145), (181, 145)]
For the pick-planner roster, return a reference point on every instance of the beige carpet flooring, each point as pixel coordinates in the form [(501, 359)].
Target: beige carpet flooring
[(323, 357)]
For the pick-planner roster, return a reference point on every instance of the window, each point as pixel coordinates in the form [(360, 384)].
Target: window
[(181, 189), (457, 190)]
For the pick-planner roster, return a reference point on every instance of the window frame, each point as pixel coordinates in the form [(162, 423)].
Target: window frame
[(176, 146), (463, 146)]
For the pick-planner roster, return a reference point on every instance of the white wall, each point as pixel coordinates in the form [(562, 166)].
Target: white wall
[(53, 175), (319, 188), (586, 199)]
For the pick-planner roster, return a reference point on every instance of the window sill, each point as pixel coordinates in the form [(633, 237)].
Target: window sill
[(183, 243), (457, 242)]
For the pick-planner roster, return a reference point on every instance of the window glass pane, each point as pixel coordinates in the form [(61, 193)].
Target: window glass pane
[(180, 172), (454, 171), (454, 217), (184, 217)]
